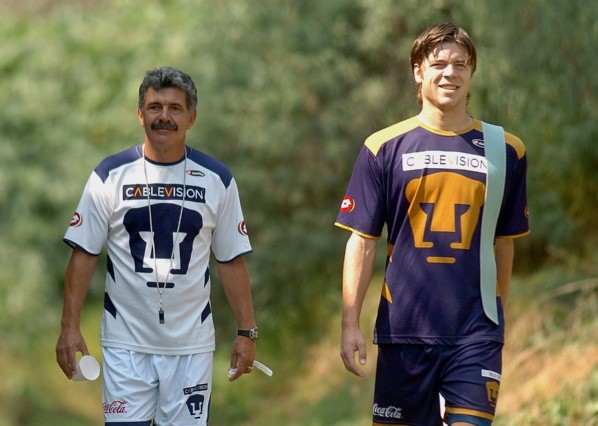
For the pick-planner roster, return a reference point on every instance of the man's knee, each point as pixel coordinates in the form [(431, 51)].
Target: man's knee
[(466, 420)]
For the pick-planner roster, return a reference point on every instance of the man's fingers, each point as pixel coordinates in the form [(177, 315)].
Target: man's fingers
[(235, 372), (362, 353), (66, 352), (349, 361), (239, 367), (66, 363), (353, 347), (242, 356)]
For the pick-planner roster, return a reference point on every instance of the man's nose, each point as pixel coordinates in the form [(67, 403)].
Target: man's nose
[(165, 113), (450, 69)]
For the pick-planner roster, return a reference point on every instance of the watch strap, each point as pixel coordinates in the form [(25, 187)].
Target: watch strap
[(253, 333)]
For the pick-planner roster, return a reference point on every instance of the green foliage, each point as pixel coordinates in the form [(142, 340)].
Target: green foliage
[(548, 98), (288, 91)]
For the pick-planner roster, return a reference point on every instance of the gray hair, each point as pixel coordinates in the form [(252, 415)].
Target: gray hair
[(165, 77)]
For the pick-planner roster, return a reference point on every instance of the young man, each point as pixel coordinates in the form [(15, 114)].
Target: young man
[(425, 179), (160, 208)]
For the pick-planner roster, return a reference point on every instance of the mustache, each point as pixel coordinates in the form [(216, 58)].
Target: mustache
[(164, 125)]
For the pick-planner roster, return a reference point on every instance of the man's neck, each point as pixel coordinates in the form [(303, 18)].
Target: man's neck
[(163, 155), (449, 121)]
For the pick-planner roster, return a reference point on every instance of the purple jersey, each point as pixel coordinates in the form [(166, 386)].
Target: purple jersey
[(428, 187)]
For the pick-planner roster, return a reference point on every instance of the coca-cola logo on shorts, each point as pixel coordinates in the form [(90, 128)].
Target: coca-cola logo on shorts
[(389, 412), (115, 407)]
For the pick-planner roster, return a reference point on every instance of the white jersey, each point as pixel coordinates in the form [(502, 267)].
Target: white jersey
[(114, 211)]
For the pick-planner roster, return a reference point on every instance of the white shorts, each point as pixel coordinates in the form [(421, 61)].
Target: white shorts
[(171, 389)]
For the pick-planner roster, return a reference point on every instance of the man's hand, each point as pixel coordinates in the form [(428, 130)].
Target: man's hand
[(69, 343), (242, 357), (352, 342)]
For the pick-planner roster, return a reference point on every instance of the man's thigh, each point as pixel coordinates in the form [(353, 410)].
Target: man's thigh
[(407, 385), (185, 389), (471, 380), (130, 386)]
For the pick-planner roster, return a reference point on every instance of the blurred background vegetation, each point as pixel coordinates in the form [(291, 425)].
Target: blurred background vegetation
[(288, 92)]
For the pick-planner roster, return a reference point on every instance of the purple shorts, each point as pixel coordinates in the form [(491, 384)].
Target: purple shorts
[(410, 378)]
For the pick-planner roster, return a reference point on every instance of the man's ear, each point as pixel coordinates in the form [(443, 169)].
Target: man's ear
[(140, 117), (417, 73), (192, 118)]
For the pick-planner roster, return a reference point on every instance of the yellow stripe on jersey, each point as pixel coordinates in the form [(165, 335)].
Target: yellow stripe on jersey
[(376, 140), (514, 236), (361, 234), (510, 139), (386, 293), (516, 143)]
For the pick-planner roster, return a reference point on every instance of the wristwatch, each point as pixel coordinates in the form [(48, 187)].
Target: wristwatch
[(253, 334)]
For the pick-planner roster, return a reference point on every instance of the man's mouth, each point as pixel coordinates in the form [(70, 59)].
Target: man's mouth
[(449, 86)]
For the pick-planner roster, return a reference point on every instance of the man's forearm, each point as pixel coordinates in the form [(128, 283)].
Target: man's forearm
[(360, 256), (76, 284), (504, 251), (237, 288)]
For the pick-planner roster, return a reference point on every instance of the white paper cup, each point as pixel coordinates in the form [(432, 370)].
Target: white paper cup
[(87, 369)]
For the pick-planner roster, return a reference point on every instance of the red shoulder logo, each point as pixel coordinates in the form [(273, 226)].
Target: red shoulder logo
[(348, 204), (76, 220), (242, 228)]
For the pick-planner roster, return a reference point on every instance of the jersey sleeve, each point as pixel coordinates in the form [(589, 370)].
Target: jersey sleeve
[(88, 229), (513, 220), (230, 239), (363, 209)]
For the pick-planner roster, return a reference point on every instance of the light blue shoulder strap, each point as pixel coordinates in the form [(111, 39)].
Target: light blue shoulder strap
[(495, 152)]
